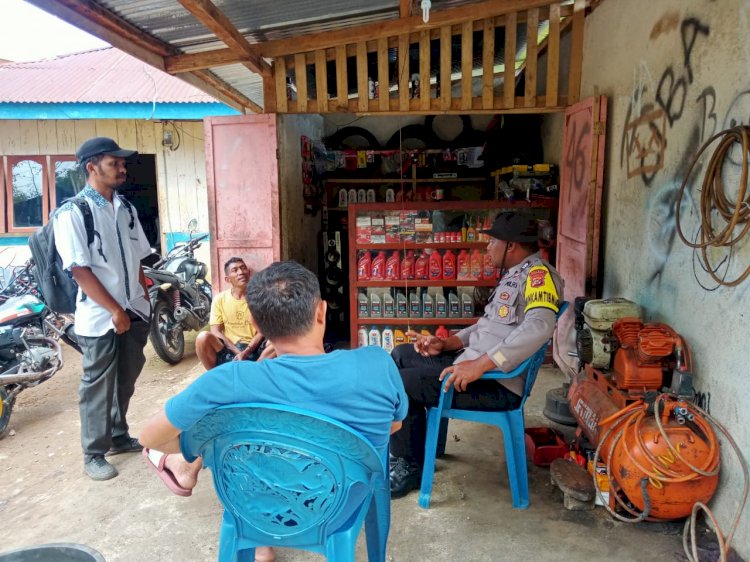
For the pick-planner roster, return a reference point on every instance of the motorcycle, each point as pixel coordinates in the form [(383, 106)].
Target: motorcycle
[(28, 356), (180, 299)]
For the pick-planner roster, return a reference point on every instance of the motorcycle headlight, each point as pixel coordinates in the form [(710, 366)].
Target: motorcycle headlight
[(203, 271)]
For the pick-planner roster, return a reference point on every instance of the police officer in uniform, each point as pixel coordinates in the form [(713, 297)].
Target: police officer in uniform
[(519, 317)]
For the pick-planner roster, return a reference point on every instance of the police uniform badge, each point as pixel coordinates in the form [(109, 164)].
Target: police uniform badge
[(503, 311)]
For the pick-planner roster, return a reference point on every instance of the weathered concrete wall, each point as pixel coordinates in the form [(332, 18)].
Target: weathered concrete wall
[(675, 72), (300, 231)]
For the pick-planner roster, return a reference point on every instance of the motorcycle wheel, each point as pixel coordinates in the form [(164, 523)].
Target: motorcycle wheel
[(168, 346), (5, 409)]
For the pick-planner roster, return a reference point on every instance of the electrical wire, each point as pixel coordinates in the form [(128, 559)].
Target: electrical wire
[(715, 201)]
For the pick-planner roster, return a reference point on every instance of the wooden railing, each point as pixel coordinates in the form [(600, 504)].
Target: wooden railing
[(299, 75)]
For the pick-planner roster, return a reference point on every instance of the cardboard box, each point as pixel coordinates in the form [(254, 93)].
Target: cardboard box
[(364, 229), (392, 227)]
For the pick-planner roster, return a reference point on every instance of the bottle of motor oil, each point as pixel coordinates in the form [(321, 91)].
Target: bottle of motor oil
[(449, 265), (463, 265), (441, 306), (362, 339), (387, 339), (454, 306), (421, 266), (376, 306), (393, 266), (425, 332), (378, 267), (442, 332), (489, 270), (364, 266), (471, 232), (402, 308), (467, 305), (389, 305), (363, 305), (407, 265), (399, 337), (415, 307), (374, 337), (477, 264), (436, 265), (428, 306)]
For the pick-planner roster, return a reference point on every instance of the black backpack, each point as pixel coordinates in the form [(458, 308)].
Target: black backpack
[(57, 286)]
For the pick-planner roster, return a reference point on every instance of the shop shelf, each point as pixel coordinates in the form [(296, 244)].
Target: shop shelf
[(414, 283), (418, 321)]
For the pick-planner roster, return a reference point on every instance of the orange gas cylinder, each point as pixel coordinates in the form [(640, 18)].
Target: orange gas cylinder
[(673, 478)]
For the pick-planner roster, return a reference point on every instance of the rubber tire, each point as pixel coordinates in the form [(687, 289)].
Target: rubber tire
[(413, 137), (338, 140), (162, 308), (5, 411)]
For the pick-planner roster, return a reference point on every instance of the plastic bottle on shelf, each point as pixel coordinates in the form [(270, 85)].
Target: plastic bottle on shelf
[(387, 339), (377, 272), (463, 265), (374, 337), (467, 305), (454, 305), (428, 305), (361, 196), (390, 195), (371, 195), (389, 305), (363, 305), (364, 266), (402, 307), (464, 231), (449, 265), (362, 338), (487, 226), (411, 338), (399, 337), (477, 264), (351, 196), (442, 332), (407, 265), (436, 265), (393, 266), (441, 305), (421, 266), (425, 332), (415, 306), (376, 306), (342, 197), (489, 269), (471, 232)]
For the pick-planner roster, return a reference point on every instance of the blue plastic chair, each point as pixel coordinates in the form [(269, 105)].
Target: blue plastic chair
[(292, 478), (510, 423)]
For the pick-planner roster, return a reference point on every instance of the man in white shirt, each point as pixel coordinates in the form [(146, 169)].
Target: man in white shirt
[(113, 309)]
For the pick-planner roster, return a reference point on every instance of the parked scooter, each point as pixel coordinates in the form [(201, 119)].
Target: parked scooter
[(27, 356), (180, 298)]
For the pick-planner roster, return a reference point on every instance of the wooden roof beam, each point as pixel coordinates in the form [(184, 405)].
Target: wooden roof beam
[(220, 25), (404, 8)]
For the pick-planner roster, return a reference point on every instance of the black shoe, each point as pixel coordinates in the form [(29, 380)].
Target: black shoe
[(97, 468), (405, 476), (127, 445)]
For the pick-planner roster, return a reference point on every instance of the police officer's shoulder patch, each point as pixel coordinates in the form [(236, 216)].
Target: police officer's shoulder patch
[(540, 290)]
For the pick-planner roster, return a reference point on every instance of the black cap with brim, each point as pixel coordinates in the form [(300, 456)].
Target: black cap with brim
[(102, 145), (514, 227)]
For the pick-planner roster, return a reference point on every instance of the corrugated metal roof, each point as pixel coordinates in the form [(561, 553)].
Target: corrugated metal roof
[(99, 76)]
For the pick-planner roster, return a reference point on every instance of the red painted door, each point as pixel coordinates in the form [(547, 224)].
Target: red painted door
[(578, 226), (243, 191)]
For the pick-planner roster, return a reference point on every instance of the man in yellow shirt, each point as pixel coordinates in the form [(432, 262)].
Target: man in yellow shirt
[(231, 336)]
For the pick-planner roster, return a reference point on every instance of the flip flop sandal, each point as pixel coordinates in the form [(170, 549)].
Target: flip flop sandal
[(165, 474)]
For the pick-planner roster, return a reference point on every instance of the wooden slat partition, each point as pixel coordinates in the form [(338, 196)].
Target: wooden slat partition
[(509, 80), (553, 55), (562, 18), (532, 37)]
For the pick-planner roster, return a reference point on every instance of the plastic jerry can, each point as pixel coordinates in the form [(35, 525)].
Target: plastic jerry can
[(477, 264), (393, 266), (407, 265), (374, 337), (378, 267), (362, 338), (454, 306), (436, 265), (389, 306), (376, 306), (415, 307), (425, 332), (442, 332), (441, 306), (463, 265), (402, 308), (428, 306), (399, 337), (387, 339), (467, 305), (421, 266), (364, 266), (449, 265), (489, 270), (352, 196), (363, 306)]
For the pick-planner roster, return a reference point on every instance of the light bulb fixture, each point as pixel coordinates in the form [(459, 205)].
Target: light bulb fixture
[(426, 5)]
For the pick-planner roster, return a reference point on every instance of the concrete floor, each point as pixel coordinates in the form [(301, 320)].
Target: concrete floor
[(44, 496)]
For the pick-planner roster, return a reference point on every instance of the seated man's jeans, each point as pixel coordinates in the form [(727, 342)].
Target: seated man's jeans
[(420, 376)]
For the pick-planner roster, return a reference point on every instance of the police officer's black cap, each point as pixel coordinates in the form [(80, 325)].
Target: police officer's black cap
[(99, 146), (512, 226)]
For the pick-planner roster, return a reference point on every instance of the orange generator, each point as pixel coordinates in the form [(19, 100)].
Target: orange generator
[(632, 398)]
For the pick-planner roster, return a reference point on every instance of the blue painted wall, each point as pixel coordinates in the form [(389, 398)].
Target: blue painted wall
[(113, 110)]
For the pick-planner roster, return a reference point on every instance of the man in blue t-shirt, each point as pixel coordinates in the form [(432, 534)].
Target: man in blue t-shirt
[(360, 388)]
